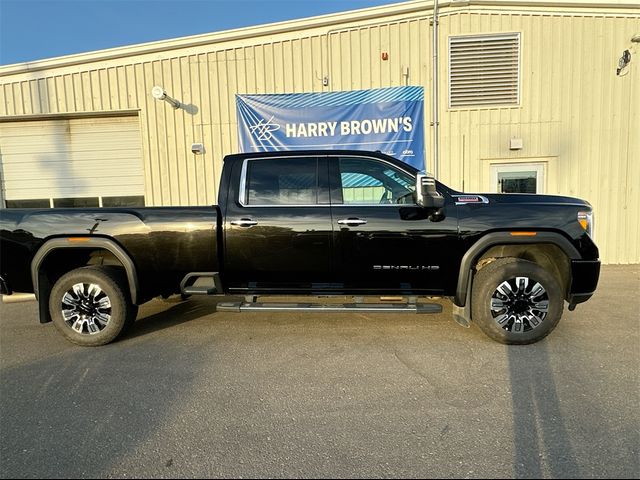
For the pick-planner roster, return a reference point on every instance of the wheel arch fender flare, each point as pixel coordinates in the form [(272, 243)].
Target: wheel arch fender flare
[(86, 242), (489, 240)]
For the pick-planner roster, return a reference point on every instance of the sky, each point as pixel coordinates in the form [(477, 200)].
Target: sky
[(38, 29)]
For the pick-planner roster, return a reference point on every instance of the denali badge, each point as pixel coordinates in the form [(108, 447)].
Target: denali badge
[(407, 267)]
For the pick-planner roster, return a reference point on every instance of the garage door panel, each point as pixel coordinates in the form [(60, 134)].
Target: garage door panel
[(14, 172), (28, 161), (88, 157), (84, 131), (46, 146), (72, 192), (43, 148), (102, 124), (101, 184), (34, 128), (33, 146), (91, 138), (108, 149)]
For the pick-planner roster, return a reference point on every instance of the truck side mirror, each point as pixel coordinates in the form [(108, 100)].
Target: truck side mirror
[(426, 194)]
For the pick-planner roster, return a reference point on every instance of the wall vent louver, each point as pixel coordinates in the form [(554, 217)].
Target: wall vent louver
[(484, 70)]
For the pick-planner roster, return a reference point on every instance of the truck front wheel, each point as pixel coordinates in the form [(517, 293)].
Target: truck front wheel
[(90, 306), (515, 301)]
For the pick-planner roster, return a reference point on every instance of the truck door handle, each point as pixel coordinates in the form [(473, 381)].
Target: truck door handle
[(351, 221), (244, 222)]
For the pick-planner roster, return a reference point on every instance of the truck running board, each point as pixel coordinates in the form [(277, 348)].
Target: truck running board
[(336, 307), (201, 283)]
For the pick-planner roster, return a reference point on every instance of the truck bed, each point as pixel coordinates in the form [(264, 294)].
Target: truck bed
[(165, 242)]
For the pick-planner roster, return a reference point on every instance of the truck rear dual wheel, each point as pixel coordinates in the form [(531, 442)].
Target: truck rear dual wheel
[(90, 306), (515, 301)]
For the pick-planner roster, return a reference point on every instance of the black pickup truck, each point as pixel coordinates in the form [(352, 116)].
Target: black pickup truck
[(312, 223)]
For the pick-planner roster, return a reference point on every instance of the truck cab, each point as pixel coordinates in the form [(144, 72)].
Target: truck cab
[(334, 224)]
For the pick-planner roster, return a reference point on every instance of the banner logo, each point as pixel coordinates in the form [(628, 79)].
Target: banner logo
[(263, 130)]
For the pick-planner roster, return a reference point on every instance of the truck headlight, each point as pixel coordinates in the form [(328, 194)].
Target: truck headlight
[(585, 219)]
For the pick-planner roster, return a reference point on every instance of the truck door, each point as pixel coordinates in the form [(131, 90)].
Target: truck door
[(278, 226), (383, 241)]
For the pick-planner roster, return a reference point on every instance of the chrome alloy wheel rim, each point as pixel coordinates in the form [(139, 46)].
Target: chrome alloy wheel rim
[(519, 304), (86, 308)]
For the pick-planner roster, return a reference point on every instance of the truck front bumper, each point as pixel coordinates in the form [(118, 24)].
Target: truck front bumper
[(584, 280)]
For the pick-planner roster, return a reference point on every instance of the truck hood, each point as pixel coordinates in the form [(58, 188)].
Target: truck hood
[(481, 213)]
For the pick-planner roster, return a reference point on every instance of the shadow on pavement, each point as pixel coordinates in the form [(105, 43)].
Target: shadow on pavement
[(540, 435), (173, 316)]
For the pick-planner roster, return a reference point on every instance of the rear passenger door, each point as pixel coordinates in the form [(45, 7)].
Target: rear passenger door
[(278, 226)]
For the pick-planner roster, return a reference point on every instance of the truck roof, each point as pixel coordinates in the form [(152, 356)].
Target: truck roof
[(324, 153)]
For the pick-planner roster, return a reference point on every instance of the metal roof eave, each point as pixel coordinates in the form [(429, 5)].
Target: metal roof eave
[(289, 26)]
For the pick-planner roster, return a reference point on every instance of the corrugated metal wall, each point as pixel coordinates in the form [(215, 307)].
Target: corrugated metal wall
[(576, 116)]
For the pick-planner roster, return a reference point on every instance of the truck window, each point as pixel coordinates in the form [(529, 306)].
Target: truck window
[(287, 181), (369, 182)]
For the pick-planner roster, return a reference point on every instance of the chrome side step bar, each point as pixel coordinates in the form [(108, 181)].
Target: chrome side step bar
[(18, 297), (336, 307)]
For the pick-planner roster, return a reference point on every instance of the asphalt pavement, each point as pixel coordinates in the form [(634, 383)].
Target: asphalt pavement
[(194, 393)]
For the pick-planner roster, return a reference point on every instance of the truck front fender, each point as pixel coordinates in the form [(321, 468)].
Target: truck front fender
[(470, 259)]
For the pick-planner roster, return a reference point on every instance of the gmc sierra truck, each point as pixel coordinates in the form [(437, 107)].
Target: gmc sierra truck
[(312, 223)]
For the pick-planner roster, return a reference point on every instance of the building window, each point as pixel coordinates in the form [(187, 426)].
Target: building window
[(518, 178), (484, 70), (90, 202), (131, 201), (30, 203), (83, 202)]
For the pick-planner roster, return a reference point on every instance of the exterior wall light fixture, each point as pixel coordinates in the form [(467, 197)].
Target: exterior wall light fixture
[(159, 94)]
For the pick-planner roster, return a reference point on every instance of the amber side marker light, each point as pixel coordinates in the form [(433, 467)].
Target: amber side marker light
[(585, 219), (524, 234)]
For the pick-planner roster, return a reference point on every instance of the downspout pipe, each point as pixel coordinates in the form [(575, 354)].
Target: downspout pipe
[(434, 92)]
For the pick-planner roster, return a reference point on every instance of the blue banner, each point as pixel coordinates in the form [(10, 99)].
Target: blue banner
[(385, 119)]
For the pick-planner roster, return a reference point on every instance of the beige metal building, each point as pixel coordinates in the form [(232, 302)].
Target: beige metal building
[(527, 89)]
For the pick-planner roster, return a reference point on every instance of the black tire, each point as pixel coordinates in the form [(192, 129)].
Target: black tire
[(512, 311), (97, 321)]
